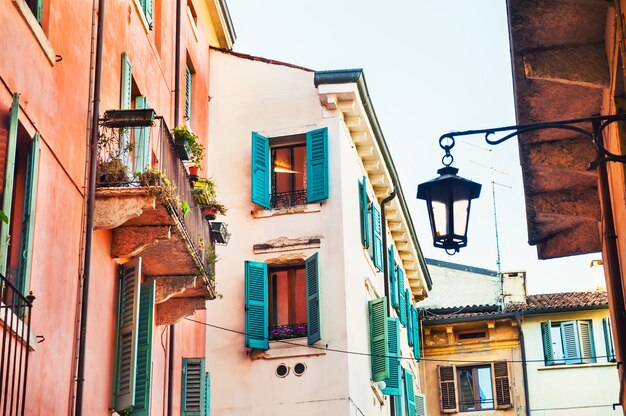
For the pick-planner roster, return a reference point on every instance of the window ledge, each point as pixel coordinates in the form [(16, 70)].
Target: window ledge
[(302, 209), (280, 349), (569, 366), (16, 326), (35, 27)]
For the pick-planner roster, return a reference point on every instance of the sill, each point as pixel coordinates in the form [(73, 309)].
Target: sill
[(279, 349), (146, 26), (37, 30), (570, 366), (17, 326), (302, 209)]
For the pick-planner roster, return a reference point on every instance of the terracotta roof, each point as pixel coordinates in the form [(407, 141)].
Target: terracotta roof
[(561, 301)]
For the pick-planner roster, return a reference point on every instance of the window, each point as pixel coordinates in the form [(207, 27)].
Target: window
[(608, 339), (569, 342), (369, 213), (379, 343), (401, 299), (471, 335), (196, 388), (290, 171), (188, 89), (292, 299), (471, 388)]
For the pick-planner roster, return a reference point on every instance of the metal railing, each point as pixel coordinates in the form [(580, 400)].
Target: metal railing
[(15, 313), (288, 199)]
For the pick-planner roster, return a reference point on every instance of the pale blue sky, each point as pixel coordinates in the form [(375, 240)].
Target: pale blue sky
[(431, 67)]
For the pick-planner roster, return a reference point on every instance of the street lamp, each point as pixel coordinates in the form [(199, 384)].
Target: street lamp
[(448, 197)]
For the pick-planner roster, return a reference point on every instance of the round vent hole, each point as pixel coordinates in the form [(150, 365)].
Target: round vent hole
[(299, 369), (282, 370)]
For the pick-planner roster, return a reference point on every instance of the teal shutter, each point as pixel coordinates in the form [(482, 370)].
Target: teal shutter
[(7, 199), (378, 338), (571, 344), (393, 290), (126, 337), (587, 348), (38, 11), (399, 401), (148, 7), (409, 393), (416, 333), (420, 404), (394, 382), (317, 165), (126, 90), (143, 377), (257, 319), (28, 215), (261, 170), (608, 339), (142, 141), (377, 238), (193, 387), (546, 335), (187, 93), (207, 395), (365, 232), (409, 316), (402, 299), (313, 299)]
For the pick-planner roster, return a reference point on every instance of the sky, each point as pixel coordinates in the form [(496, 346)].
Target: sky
[(431, 67)]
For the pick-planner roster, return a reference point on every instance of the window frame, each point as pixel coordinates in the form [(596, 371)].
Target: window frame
[(571, 342), (272, 296), (476, 387)]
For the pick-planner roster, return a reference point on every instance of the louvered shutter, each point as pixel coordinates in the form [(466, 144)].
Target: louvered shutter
[(402, 299), (502, 388), (142, 141), (409, 393), (377, 238), (126, 90), (187, 93), (141, 407), (257, 331), (314, 332), (546, 336), (317, 165), (608, 339), (409, 316), (393, 290), (571, 344), (7, 200), (420, 404), (394, 382), (587, 349), (28, 215), (378, 338), (207, 395), (365, 232), (260, 170), (447, 389), (126, 339), (193, 387), (148, 11), (416, 333)]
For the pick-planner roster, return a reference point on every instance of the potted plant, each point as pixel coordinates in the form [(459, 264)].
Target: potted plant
[(203, 191), (183, 139), (197, 155), (112, 172), (212, 208)]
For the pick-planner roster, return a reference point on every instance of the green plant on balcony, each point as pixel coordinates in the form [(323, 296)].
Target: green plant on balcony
[(111, 169), (203, 191), (112, 172), (188, 145), (159, 185), (212, 208)]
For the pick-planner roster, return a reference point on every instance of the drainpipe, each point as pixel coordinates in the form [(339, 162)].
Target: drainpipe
[(386, 270), (520, 335), (172, 343), (91, 201)]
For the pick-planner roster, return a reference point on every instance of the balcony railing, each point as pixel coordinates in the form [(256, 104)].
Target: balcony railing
[(288, 199), (15, 312)]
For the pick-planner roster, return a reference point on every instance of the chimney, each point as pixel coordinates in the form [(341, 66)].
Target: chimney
[(514, 287), (597, 273)]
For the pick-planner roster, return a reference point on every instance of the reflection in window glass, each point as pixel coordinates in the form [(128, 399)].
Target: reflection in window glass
[(475, 389), (557, 345)]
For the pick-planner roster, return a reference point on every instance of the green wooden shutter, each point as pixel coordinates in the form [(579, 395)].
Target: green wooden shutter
[(365, 232), (317, 165), (38, 12), (402, 299), (28, 215), (571, 344), (126, 337), (587, 348), (416, 333), (148, 7), (502, 394), (409, 317), (207, 395), (7, 199), (187, 93), (193, 387), (394, 382), (608, 339), (257, 319), (392, 277), (143, 377), (313, 299), (378, 338), (260, 170), (399, 399), (409, 392), (546, 335), (420, 404), (126, 90), (446, 375), (142, 141), (377, 238)]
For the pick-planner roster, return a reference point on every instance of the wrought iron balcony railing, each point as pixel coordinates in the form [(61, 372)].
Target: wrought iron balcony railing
[(288, 199)]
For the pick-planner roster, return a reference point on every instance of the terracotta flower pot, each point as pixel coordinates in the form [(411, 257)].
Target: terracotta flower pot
[(193, 173), (209, 213)]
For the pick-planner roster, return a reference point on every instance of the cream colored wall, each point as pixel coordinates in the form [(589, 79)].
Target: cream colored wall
[(587, 389)]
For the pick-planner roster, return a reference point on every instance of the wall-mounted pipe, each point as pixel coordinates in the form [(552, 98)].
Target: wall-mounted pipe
[(520, 335)]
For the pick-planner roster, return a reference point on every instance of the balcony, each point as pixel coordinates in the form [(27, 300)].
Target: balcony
[(144, 195)]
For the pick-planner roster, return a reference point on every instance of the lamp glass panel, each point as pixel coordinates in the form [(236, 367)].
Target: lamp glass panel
[(440, 218), (460, 211)]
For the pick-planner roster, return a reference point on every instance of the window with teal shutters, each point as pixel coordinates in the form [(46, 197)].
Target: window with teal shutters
[(377, 238), (416, 333), (393, 290), (587, 349), (420, 404), (314, 332), (193, 387), (317, 165), (402, 299), (126, 90), (188, 85), (141, 148), (571, 346), (141, 406), (409, 393), (363, 205), (608, 339), (207, 394), (546, 336), (256, 311), (409, 317), (126, 336), (147, 9), (28, 215), (394, 382), (260, 170), (379, 347)]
